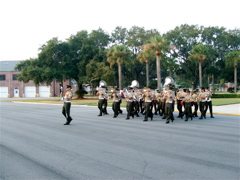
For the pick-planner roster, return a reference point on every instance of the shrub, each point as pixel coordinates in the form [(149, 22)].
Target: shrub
[(226, 96), (231, 90), (80, 93)]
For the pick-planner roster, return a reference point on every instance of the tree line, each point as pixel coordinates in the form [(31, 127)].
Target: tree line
[(193, 55)]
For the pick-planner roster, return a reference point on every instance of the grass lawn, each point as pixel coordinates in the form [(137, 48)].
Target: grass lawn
[(94, 101)]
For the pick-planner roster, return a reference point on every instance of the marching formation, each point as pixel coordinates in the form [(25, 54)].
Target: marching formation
[(156, 102), (149, 102)]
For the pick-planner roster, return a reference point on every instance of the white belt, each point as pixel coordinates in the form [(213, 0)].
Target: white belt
[(101, 98), (116, 101), (149, 101), (203, 101), (169, 101), (67, 101), (129, 100)]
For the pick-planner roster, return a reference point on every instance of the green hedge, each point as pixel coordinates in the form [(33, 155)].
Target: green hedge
[(226, 96)]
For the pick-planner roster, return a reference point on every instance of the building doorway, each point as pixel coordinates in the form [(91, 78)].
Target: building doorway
[(16, 92)]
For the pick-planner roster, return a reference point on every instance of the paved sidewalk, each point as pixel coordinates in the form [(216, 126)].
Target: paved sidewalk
[(233, 109)]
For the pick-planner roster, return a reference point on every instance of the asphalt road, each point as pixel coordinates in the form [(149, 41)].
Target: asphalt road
[(35, 145)]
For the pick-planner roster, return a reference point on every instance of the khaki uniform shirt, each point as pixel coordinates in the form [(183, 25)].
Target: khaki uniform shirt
[(148, 96), (195, 97), (169, 96), (209, 95), (100, 94), (158, 96), (68, 96), (188, 98), (202, 96), (115, 96), (181, 95)]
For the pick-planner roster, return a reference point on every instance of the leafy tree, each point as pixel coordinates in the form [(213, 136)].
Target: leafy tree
[(97, 71), (119, 36), (145, 57), (233, 59), (159, 45), (49, 65), (118, 54), (29, 71), (199, 53)]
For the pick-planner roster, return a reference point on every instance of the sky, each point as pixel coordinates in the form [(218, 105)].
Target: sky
[(28, 24)]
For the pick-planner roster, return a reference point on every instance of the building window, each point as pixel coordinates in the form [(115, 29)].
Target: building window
[(2, 77), (14, 77)]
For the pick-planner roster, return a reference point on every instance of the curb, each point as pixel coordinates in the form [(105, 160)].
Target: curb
[(219, 113), (231, 114)]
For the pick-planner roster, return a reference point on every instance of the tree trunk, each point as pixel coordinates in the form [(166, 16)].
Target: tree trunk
[(208, 81), (200, 74), (80, 96), (120, 76), (158, 72), (147, 74), (213, 87), (235, 79)]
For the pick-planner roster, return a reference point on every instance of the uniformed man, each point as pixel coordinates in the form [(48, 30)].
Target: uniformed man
[(105, 103), (202, 103), (148, 97), (100, 95), (137, 95), (195, 102), (67, 105), (163, 102), (169, 96), (209, 102), (158, 100), (154, 103), (115, 102), (141, 102), (180, 95), (188, 105), (129, 106)]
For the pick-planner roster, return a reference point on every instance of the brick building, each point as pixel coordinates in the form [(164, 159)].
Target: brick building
[(11, 87)]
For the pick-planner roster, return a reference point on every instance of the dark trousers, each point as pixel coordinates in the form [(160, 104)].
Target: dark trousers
[(209, 104), (129, 109), (188, 110), (154, 105), (169, 111), (158, 106), (163, 106), (100, 105), (141, 104), (136, 107), (115, 108), (147, 108), (119, 107), (66, 111), (105, 104), (202, 107), (195, 104), (179, 107)]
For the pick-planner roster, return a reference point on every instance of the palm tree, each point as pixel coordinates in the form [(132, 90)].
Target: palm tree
[(159, 45), (118, 54), (199, 53), (145, 57), (233, 59), (171, 65)]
